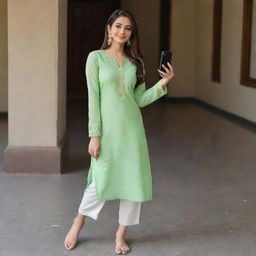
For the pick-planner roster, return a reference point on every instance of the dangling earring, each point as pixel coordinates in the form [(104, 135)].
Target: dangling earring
[(109, 39), (128, 43)]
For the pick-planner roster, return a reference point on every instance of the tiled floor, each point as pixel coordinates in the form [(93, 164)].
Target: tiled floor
[(204, 187)]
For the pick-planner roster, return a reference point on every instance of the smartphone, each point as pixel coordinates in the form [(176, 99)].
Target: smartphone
[(166, 56)]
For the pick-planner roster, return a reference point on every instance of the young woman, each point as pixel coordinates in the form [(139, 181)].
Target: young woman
[(120, 164)]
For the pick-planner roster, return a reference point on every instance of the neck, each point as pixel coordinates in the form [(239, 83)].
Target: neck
[(116, 48)]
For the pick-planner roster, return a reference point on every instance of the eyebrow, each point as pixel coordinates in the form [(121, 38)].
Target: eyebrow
[(122, 24)]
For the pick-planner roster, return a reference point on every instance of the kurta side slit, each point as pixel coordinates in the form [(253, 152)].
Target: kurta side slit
[(122, 170)]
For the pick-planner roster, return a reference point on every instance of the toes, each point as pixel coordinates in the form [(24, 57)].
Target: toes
[(69, 245), (72, 245), (118, 250), (125, 250)]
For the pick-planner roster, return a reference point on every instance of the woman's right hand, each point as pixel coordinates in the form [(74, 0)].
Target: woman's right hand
[(94, 146)]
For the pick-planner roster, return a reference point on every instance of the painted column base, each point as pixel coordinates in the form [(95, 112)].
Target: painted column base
[(33, 159)]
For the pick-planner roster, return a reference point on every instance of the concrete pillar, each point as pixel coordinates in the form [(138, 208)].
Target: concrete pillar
[(3, 57), (37, 35)]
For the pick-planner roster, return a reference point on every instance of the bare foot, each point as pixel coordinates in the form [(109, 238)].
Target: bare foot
[(121, 246), (71, 237)]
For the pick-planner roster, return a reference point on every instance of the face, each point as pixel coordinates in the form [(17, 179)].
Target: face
[(121, 30)]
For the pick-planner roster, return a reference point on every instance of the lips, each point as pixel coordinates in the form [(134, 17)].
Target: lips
[(122, 37)]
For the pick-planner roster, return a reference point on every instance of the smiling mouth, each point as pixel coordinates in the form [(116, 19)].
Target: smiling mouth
[(121, 37)]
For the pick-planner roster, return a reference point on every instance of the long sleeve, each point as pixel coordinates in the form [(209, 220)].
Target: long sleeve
[(92, 78), (145, 97)]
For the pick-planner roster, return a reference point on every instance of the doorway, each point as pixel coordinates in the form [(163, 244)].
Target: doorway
[(86, 25)]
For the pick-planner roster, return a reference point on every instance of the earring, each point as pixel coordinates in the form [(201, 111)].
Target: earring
[(109, 39), (128, 43)]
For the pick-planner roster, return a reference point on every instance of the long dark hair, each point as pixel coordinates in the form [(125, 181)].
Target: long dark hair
[(133, 51)]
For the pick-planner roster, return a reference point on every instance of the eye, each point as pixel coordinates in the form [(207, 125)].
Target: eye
[(129, 28)]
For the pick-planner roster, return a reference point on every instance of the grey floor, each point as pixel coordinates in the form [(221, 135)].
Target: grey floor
[(204, 202)]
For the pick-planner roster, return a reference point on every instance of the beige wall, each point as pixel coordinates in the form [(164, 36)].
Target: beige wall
[(229, 94), (191, 41), (34, 80), (182, 42), (148, 33), (3, 57), (184, 48)]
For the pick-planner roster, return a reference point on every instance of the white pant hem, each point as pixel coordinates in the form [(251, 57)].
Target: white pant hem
[(128, 224), (89, 215)]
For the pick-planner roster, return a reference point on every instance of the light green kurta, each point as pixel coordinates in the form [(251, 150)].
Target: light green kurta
[(123, 169)]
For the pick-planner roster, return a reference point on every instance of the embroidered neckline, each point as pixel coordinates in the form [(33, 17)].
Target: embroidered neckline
[(121, 86), (115, 61)]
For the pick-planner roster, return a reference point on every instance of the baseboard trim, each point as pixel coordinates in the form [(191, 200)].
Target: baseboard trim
[(227, 115)]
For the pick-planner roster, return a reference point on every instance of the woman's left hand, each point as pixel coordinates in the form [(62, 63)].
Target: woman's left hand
[(168, 75)]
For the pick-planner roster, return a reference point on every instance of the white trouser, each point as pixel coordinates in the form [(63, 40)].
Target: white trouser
[(129, 211)]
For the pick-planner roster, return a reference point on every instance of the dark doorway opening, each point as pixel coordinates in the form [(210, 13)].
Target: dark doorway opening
[(86, 24)]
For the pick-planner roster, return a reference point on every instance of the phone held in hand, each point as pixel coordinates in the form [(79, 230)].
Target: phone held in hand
[(166, 56)]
